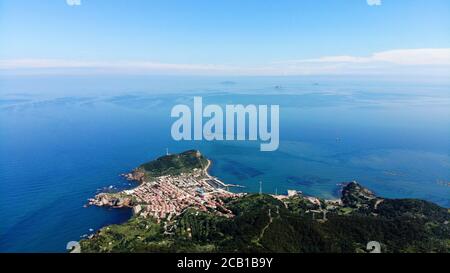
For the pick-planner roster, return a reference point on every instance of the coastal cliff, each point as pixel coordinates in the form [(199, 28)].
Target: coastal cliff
[(205, 218)]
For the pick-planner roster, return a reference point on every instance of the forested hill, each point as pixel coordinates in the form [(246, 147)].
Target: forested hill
[(175, 164), (263, 223)]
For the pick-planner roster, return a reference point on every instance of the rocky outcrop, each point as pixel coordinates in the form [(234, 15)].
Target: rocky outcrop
[(137, 175), (112, 200), (356, 196)]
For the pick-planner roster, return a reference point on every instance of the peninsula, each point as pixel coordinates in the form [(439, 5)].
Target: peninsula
[(170, 185), (179, 207)]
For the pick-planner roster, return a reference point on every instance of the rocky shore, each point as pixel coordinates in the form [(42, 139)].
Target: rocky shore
[(111, 200)]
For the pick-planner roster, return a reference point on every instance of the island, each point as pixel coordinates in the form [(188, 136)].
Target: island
[(179, 207)]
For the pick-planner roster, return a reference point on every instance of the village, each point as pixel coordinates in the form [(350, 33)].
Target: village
[(169, 196)]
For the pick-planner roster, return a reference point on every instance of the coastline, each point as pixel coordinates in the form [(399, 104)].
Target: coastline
[(182, 212), (167, 196)]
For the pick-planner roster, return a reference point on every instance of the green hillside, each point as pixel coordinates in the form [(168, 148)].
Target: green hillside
[(175, 164)]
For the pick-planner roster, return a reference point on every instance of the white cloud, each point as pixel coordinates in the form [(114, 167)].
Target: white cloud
[(108, 66), (73, 2), (374, 2), (433, 56), (427, 61), (425, 56)]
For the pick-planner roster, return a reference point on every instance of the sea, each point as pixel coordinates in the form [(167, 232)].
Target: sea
[(64, 139)]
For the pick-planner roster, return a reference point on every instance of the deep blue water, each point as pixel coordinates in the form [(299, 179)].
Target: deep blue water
[(64, 139)]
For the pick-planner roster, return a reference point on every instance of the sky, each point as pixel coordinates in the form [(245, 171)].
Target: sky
[(249, 37)]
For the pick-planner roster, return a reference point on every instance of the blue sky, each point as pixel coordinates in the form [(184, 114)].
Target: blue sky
[(226, 36)]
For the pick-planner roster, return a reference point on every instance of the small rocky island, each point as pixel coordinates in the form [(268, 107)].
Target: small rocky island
[(179, 207)]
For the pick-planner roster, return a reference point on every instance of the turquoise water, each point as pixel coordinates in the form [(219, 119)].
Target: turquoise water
[(64, 139)]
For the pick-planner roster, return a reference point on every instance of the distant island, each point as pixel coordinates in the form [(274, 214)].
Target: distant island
[(228, 83), (179, 207)]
